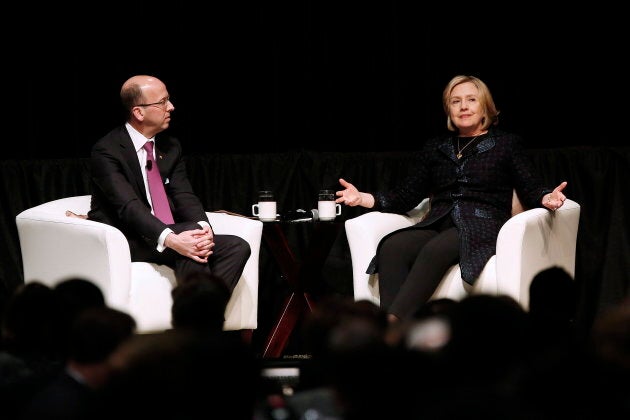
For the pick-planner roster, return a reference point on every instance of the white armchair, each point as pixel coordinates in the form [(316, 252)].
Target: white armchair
[(529, 242), (56, 247)]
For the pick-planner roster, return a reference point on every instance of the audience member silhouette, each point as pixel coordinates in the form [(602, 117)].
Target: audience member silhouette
[(318, 326), (552, 305), (95, 333), (32, 354), (428, 330), (182, 374), (609, 346), (346, 339), (553, 348), (31, 322), (569, 377), (611, 336), (74, 296), (199, 302), (190, 371), (361, 362), (484, 360)]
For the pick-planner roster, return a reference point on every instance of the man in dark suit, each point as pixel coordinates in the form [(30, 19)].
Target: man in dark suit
[(121, 196)]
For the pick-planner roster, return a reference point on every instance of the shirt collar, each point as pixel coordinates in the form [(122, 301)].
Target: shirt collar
[(137, 137)]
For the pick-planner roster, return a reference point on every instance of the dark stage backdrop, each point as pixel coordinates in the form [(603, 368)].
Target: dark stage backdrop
[(333, 76)]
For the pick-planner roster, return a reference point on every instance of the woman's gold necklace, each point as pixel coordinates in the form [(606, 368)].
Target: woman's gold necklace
[(459, 151)]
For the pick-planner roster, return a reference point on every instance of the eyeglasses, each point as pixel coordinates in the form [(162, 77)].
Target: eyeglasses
[(160, 104)]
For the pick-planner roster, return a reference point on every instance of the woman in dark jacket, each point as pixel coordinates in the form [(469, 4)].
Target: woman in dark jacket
[(470, 177)]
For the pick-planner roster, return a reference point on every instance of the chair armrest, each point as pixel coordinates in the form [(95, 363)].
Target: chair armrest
[(364, 233), (532, 241), (242, 309), (56, 247)]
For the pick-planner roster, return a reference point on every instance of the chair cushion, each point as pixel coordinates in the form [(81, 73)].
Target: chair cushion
[(150, 296)]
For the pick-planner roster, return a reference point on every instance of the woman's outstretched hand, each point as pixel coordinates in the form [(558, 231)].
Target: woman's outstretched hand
[(555, 199), (350, 196)]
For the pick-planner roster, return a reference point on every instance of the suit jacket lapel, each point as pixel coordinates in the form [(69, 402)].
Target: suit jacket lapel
[(159, 159), (448, 149), (131, 159)]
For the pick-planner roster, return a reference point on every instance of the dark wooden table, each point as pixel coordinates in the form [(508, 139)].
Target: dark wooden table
[(300, 275)]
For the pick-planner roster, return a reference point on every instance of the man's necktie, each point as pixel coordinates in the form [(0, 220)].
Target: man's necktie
[(161, 208)]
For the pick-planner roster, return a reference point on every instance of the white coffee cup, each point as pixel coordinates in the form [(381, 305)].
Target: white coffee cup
[(266, 208), (326, 206)]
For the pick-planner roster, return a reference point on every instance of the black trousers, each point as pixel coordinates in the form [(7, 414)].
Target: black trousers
[(412, 263), (230, 254)]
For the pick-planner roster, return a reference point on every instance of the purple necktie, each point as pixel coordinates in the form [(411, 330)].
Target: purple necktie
[(161, 208)]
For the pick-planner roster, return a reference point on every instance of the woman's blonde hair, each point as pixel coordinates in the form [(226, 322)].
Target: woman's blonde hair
[(490, 112)]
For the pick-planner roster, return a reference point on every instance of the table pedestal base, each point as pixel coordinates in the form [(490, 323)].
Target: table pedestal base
[(299, 276)]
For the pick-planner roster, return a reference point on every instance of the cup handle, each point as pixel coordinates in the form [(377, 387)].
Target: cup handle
[(255, 209), (338, 209)]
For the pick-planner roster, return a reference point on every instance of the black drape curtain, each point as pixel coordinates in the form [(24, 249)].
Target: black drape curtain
[(598, 180)]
